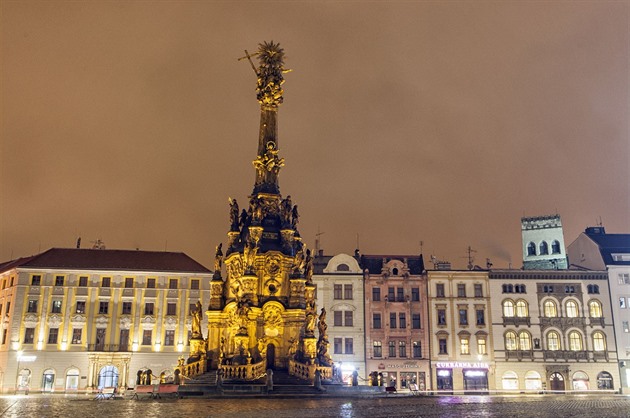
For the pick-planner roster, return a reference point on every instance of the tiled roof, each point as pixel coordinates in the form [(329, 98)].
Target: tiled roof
[(127, 260), (374, 263)]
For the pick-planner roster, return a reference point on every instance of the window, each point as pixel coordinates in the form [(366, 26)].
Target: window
[(417, 349), (593, 289), (106, 282), (599, 341), (337, 346), (508, 288), (4, 336), (464, 346), (348, 318), (148, 308), (481, 346), (52, 335), (531, 249), (551, 311), (391, 296), (378, 349), (171, 309), (392, 320), (337, 291), (415, 294), (555, 247), (625, 326), (126, 308), (461, 290), (76, 335), (400, 294), (622, 303), (128, 282), (376, 321), (56, 306), (463, 317), (520, 288), (544, 248), (569, 289), (59, 280), (402, 320), (575, 341), (172, 283), (169, 337), (548, 288), (508, 309), (510, 341), (478, 290), (29, 335), (524, 340), (80, 306), (521, 309), (32, 306), (376, 294), (553, 341), (415, 321), (441, 316), (83, 281), (572, 309), (392, 349), (402, 349), (595, 309), (337, 318), (124, 340), (624, 278), (103, 307), (147, 335), (151, 284), (8, 307), (349, 348), (347, 291), (442, 346), (481, 320), (36, 280), (439, 290)]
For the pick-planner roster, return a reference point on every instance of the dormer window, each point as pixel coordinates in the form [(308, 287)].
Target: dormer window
[(343, 267)]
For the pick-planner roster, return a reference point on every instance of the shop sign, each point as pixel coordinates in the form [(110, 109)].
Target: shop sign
[(405, 365), (461, 365)]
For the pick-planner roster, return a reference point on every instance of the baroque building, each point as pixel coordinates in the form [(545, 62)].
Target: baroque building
[(396, 321), (461, 334), (78, 320), (594, 249), (339, 281), (262, 313)]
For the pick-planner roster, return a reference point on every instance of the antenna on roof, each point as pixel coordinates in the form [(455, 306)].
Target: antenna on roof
[(600, 223), (318, 241), (98, 244), (421, 244), (470, 257), (79, 242)]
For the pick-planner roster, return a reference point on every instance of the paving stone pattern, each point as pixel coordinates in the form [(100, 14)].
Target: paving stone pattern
[(82, 406)]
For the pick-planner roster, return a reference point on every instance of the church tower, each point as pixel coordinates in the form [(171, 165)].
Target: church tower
[(262, 312), (543, 243)]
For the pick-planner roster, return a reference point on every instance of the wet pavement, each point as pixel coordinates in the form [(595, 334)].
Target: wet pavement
[(535, 406)]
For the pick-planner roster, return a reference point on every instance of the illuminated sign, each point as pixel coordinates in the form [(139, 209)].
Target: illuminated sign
[(444, 373), (460, 365), (406, 365), (27, 359)]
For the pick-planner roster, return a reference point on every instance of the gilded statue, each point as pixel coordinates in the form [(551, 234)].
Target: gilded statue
[(295, 216), (311, 319), (308, 267), (218, 258), (321, 325), (285, 211), (196, 321), (234, 220)]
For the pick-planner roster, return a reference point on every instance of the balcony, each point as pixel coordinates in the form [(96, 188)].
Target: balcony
[(108, 347), (519, 354), (516, 320), (565, 355), (562, 322)]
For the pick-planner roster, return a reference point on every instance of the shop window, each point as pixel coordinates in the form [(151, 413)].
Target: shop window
[(580, 381), (605, 381), (533, 381), (509, 381)]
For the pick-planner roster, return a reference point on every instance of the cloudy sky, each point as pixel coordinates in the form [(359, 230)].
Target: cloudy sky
[(403, 122)]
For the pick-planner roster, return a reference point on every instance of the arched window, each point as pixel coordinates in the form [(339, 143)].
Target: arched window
[(575, 341), (532, 381), (524, 340), (521, 309), (510, 341), (555, 247), (593, 289), (599, 341), (343, 267), (551, 310), (580, 381), (510, 381), (531, 249), (605, 381), (508, 309), (572, 309), (544, 248), (553, 341), (595, 309)]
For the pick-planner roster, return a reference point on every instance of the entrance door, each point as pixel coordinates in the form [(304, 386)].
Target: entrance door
[(271, 356), (48, 380), (556, 382), (108, 377)]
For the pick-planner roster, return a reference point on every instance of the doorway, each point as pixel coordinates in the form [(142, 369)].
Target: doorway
[(556, 382), (48, 380)]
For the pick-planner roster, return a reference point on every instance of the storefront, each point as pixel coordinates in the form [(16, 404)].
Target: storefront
[(401, 375), (461, 376)]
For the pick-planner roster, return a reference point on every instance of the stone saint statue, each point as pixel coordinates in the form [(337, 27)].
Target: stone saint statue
[(234, 221), (321, 325), (196, 321), (218, 258)]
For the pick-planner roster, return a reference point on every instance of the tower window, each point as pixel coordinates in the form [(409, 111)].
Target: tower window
[(544, 248), (555, 247), (531, 249)]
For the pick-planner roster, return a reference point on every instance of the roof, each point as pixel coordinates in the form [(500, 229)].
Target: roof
[(374, 263), (610, 244), (126, 260)]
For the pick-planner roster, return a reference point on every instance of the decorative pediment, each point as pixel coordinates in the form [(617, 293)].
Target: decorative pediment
[(148, 322), (30, 321), (54, 321), (343, 307), (101, 321), (125, 322), (78, 320), (170, 323)]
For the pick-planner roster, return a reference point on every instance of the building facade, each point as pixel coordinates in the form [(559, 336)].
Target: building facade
[(340, 291), (543, 243), (553, 331), (461, 334), (396, 321), (82, 319), (594, 249)]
